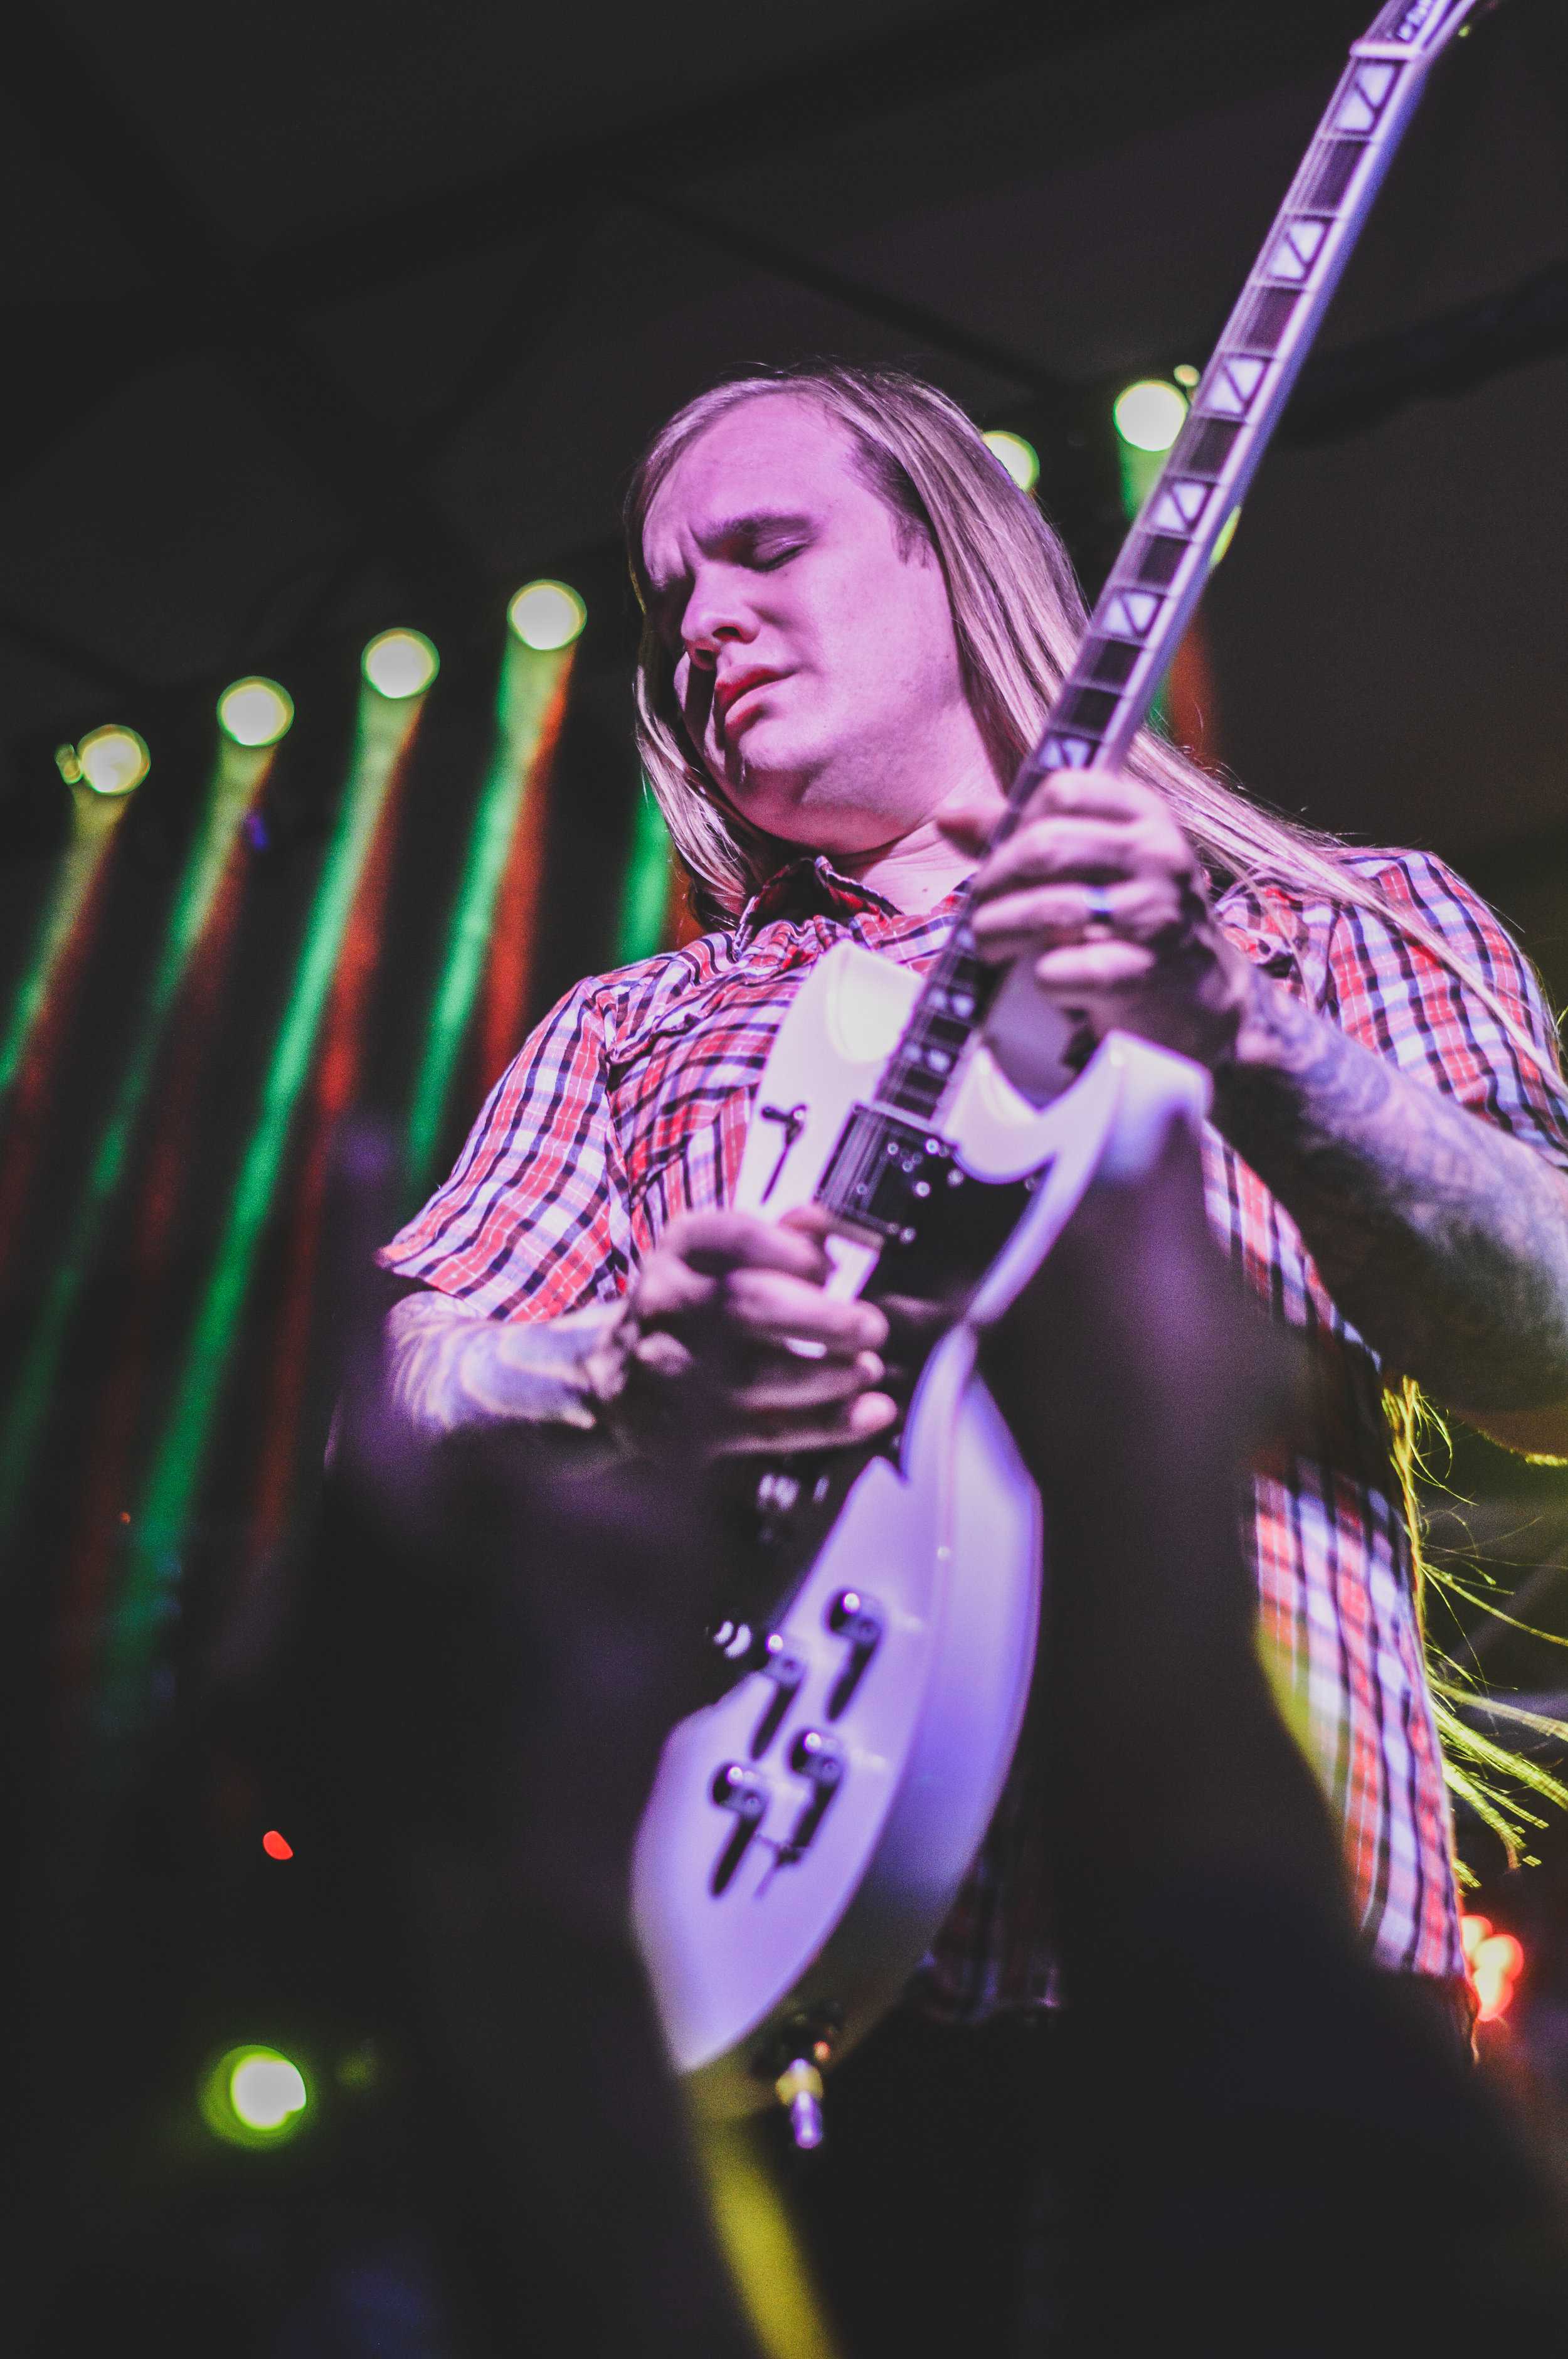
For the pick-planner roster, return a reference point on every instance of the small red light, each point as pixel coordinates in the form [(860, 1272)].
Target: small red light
[(124, 1515), (1494, 1963), (276, 1846)]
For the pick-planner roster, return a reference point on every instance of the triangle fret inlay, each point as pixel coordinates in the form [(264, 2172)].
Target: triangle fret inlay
[(1297, 251), (1178, 508), (1235, 383), (1130, 614), (1365, 100)]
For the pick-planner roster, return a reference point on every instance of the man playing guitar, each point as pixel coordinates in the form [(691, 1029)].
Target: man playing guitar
[(854, 625)]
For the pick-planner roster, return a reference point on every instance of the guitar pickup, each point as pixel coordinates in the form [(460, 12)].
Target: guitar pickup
[(859, 1620), (819, 1759), (884, 1170), (743, 1790), (779, 1664)]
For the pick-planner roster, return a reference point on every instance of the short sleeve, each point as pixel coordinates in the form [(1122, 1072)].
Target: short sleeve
[(532, 1224), (1394, 995)]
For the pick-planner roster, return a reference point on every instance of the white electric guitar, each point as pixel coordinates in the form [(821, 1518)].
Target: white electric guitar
[(808, 1831)]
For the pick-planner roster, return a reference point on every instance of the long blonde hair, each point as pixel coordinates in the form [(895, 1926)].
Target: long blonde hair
[(1018, 615)]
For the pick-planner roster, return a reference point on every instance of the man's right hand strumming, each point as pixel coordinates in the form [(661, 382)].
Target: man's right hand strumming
[(704, 1345), (695, 1362)]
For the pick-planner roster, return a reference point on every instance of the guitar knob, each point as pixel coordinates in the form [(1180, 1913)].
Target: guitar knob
[(859, 1619), (780, 1664), (777, 1492), (819, 1759), (739, 1789), (855, 1617)]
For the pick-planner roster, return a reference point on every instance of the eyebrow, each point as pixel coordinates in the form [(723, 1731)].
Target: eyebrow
[(753, 524)]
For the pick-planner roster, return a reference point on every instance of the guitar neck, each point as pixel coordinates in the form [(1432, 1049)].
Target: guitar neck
[(1159, 576)]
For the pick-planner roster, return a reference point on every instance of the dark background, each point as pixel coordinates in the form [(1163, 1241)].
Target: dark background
[(334, 317)]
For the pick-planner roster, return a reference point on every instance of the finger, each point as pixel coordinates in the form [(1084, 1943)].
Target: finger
[(783, 1384), (715, 1243), (1104, 794), (1140, 910), (810, 1221), (970, 826), (769, 1307), (1084, 969), (871, 1413), (1049, 849)]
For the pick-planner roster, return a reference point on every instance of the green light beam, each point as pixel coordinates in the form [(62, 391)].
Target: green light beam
[(1164, 407), (96, 818), (525, 704), (235, 782), (159, 1524), (645, 894)]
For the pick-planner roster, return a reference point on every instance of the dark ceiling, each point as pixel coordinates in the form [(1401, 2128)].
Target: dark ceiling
[(346, 315)]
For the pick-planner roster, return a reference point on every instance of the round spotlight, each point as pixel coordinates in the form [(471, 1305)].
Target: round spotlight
[(1020, 458), (112, 760), (254, 2097), (547, 616), (1149, 414), (398, 664), (1187, 376), (255, 713)]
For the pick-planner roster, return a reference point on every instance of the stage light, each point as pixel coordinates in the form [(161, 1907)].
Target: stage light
[(1149, 415), (400, 663), (255, 713), (547, 616), (163, 1508), (501, 869), (111, 760), (194, 925), (645, 888), (254, 2097), (1020, 458), (1495, 1962), (1187, 376), (276, 1846)]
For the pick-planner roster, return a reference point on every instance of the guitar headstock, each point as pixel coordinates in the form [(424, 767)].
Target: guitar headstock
[(1422, 28)]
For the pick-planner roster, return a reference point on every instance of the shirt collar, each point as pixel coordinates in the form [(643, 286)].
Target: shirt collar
[(809, 887)]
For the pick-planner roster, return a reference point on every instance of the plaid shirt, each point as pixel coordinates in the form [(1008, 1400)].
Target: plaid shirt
[(630, 1102)]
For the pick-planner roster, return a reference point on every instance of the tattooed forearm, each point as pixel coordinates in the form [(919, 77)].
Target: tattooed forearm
[(450, 1369), (1444, 1241)]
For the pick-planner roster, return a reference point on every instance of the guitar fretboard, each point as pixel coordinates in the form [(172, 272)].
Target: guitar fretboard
[(1159, 576)]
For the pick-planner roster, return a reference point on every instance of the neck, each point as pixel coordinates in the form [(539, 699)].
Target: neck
[(921, 867), (914, 871)]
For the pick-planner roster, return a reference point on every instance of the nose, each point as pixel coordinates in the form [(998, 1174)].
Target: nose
[(716, 615)]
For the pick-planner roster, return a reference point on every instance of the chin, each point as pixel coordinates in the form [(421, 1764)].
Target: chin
[(772, 798), (788, 791)]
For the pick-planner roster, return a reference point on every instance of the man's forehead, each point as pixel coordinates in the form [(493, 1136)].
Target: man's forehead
[(771, 457)]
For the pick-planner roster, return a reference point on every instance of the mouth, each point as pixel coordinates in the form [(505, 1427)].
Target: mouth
[(732, 692)]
